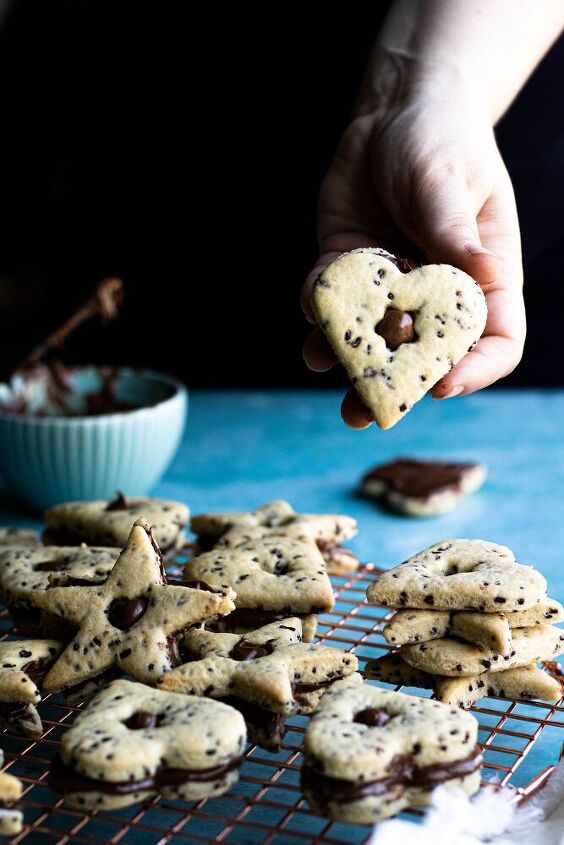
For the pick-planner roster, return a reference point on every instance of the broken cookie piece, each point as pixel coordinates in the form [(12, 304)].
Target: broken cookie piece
[(422, 488)]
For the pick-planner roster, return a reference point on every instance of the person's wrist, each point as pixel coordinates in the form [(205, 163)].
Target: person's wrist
[(396, 83)]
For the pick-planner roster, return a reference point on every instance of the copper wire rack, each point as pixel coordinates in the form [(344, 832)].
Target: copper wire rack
[(266, 805)]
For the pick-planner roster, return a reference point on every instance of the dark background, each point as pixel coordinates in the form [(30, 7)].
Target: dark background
[(185, 156)]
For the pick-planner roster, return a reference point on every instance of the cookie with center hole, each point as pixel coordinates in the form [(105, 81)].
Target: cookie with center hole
[(370, 753), (133, 742), (460, 575), (107, 522), (278, 518), (273, 577), (396, 333)]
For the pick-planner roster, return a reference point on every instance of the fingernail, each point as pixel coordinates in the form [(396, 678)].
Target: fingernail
[(456, 391), (476, 249)]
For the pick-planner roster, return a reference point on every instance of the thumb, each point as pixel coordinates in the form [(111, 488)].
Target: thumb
[(447, 229)]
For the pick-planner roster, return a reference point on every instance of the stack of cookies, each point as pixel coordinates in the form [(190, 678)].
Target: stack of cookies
[(469, 621)]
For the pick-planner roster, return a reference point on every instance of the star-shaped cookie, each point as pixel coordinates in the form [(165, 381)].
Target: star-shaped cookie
[(131, 620), (269, 667), (26, 569)]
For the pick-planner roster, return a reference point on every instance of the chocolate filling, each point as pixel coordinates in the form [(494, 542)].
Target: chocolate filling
[(397, 328), (74, 581), (404, 265), (374, 717), (117, 504), (51, 565), (419, 478), (68, 537), (195, 585), (403, 771), (36, 670), (244, 650), (12, 712), (124, 613), (248, 617), (300, 690), (265, 728), (142, 719), (64, 779), (206, 542)]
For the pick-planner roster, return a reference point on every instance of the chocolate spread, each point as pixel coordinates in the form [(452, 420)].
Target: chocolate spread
[(419, 479), (249, 617), (396, 327), (66, 780), (142, 719), (117, 504), (124, 613), (195, 585), (244, 650), (403, 771), (374, 717)]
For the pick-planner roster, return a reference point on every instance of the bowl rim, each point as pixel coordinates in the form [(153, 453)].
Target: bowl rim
[(179, 390)]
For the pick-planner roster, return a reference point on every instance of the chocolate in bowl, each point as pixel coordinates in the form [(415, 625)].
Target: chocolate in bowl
[(85, 446)]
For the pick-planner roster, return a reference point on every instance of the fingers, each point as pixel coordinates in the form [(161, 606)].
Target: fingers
[(447, 228), (496, 354), (353, 411), (317, 352), (305, 296), (500, 349)]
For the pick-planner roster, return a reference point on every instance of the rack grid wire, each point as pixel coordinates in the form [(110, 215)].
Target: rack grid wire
[(266, 806)]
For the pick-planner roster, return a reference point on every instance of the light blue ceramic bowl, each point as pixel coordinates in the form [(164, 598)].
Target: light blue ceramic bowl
[(48, 460)]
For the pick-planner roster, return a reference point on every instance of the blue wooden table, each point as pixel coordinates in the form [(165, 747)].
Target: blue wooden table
[(242, 449)]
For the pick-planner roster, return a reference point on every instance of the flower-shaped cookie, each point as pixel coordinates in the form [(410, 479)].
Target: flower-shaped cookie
[(273, 578), (26, 569)]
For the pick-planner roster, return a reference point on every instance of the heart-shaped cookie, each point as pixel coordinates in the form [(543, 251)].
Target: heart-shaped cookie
[(396, 333)]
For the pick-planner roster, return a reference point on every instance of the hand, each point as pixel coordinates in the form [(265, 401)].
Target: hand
[(426, 181)]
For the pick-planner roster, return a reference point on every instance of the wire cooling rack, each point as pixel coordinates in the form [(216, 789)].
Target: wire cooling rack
[(266, 805)]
